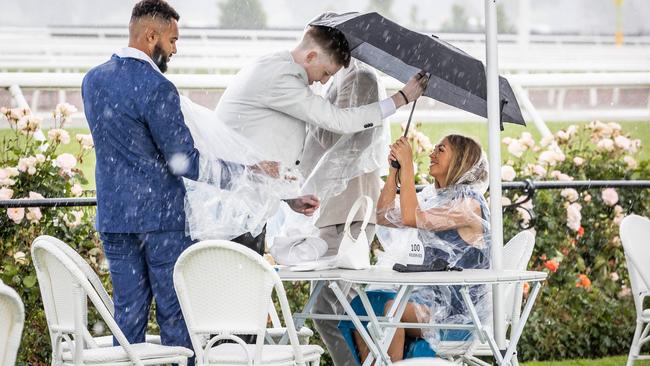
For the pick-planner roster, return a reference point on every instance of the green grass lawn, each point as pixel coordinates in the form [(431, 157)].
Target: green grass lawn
[(608, 361), (435, 131)]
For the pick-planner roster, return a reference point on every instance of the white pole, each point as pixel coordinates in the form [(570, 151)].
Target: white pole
[(494, 145)]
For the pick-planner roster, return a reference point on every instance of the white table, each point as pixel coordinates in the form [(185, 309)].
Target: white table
[(381, 329)]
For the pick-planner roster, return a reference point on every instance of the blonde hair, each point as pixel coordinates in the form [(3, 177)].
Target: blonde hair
[(466, 152)]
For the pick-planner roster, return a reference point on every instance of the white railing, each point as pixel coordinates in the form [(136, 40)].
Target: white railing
[(17, 83)]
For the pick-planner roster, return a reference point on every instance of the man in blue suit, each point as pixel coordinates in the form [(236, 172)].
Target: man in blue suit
[(143, 150)]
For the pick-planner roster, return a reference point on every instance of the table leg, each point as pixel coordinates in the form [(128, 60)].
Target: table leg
[(355, 319), (373, 326), (483, 334)]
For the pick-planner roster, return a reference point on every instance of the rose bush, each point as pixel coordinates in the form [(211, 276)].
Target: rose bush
[(585, 309), (32, 166)]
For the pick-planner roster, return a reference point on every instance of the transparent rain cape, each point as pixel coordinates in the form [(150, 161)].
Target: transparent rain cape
[(452, 224), (225, 210), (330, 161)]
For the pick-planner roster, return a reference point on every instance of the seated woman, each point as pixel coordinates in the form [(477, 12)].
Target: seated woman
[(452, 222)]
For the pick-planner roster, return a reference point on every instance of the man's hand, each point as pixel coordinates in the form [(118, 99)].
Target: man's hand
[(266, 167), (305, 205), (412, 90)]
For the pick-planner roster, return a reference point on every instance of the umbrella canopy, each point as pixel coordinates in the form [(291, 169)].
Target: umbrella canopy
[(456, 78)]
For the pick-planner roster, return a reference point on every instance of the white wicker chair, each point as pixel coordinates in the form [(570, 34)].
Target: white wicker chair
[(635, 231), (65, 290), (12, 317), (516, 255), (87, 270), (225, 290)]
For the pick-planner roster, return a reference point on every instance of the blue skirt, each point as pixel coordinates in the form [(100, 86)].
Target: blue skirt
[(412, 348)]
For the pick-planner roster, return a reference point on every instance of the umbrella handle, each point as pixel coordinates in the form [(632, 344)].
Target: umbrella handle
[(395, 164)]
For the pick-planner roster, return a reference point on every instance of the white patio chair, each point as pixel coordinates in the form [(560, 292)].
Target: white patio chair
[(12, 318), (65, 290), (87, 270), (635, 231), (225, 290), (274, 335), (516, 255), (424, 361)]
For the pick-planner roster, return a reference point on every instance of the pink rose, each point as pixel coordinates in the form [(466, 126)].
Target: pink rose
[(609, 196)]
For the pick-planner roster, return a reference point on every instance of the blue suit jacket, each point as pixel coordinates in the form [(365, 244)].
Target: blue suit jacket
[(137, 125)]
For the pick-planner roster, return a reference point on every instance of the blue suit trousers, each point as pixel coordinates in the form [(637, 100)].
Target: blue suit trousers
[(141, 267)]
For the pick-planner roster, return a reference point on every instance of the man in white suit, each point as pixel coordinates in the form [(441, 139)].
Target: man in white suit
[(270, 102)]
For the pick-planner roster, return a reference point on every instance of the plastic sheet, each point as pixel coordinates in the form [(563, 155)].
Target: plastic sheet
[(225, 210), (451, 223), (330, 160)]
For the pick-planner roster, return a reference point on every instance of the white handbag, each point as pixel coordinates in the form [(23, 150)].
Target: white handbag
[(355, 253)]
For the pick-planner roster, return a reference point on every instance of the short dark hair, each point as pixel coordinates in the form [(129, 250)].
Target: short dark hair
[(332, 41), (154, 8)]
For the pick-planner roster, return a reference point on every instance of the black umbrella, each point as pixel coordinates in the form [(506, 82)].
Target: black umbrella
[(456, 78)]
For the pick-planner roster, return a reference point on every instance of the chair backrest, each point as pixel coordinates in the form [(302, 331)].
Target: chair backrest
[(516, 255), (424, 361), (12, 318), (635, 234), (85, 268), (65, 290), (225, 288)]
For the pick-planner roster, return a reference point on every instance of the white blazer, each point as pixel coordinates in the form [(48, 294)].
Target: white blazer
[(270, 103)]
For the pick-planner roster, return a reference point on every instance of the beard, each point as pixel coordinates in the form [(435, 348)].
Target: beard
[(159, 58)]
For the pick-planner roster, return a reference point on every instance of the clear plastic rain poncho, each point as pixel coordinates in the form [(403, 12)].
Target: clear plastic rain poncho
[(330, 160), (225, 210), (452, 224)]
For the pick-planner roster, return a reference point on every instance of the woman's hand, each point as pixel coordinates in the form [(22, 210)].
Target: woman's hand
[(402, 152)]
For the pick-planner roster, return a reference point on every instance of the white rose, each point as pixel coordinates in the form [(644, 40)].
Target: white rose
[(76, 221), (20, 257), (76, 190), (609, 196), (58, 135), (516, 148), (86, 141), (527, 139), (548, 158), (578, 161), (539, 170), (562, 135), (65, 109), (570, 194), (547, 140), (574, 216), (34, 215), (631, 163), (622, 142), (66, 162), (508, 173), (6, 193), (605, 144), (16, 214), (506, 140), (40, 158)]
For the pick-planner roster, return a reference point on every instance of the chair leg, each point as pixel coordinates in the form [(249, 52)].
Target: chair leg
[(634, 348)]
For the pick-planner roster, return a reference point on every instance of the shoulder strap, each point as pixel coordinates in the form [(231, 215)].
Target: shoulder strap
[(355, 208)]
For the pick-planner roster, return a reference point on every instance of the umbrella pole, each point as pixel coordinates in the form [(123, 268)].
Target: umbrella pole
[(494, 156)]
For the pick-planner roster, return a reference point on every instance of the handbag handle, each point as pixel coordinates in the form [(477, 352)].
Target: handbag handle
[(353, 211)]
